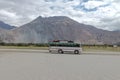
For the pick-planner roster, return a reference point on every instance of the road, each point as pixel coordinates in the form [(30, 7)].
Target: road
[(18, 64)]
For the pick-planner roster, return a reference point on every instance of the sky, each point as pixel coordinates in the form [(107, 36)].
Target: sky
[(103, 14)]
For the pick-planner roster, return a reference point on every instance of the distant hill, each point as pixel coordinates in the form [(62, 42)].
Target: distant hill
[(43, 30), (5, 26)]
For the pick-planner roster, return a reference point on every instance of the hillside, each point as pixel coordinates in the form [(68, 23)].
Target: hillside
[(42, 30), (5, 26)]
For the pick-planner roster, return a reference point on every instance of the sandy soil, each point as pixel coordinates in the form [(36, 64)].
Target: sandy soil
[(41, 65)]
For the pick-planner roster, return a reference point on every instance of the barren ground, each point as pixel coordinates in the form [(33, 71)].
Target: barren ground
[(25, 64)]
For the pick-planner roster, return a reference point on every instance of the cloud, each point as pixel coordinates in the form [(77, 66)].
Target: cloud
[(7, 16), (103, 14), (7, 13), (94, 4)]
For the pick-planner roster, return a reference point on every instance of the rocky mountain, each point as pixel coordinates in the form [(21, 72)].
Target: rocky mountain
[(5, 26), (43, 30)]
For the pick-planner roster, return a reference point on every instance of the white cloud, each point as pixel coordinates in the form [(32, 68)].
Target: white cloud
[(103, 14), (93, 4), (8, 14)]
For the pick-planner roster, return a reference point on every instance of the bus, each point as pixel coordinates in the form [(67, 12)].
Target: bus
[(65, 46)]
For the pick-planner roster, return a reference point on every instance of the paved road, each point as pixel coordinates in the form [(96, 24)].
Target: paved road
[(40, 65)]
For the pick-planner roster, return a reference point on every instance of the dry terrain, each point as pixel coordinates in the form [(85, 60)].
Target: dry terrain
[(26, 64)]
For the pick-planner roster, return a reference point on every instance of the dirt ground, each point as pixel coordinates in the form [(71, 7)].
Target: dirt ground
[(18, 64)]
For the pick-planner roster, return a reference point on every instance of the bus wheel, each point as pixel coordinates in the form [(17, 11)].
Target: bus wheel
[(76, 52), (50, 51), (60, 51)]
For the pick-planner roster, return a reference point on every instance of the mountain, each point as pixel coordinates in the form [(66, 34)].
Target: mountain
[(45, 29), (5, 26)]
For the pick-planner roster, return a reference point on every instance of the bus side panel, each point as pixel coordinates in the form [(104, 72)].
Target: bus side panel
[(65, 49)]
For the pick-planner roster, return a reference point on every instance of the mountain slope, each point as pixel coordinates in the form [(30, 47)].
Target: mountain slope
[(43, 30), (5, 26), (52, 28)]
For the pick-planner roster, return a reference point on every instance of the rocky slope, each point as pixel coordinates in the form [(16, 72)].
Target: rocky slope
[(42, 30), (5, 26)]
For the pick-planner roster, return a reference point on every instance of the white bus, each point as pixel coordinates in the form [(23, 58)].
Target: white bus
[(65, 46)]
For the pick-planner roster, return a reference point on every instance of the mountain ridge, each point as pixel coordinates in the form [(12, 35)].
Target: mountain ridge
[(45, 29), (5, 26)]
